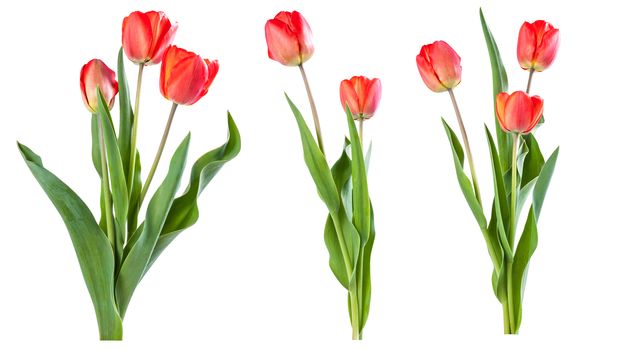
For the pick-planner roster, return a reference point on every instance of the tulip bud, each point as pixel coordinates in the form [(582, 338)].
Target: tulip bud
[(96, 75), (146, 36), (537, 45), (185, 77), (289, 38), (518, 112), (439, 66), (362, 95)]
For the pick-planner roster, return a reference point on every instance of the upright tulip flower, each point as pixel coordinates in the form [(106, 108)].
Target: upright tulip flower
[(290, 42), (145, 38), (518, 113), (95, 74), (537, 47), (362, 95), (440, 69), (184, 79)]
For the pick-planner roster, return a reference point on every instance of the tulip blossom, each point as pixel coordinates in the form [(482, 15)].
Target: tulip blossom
[(95, 74), (537, 45), (185, 77), (289, 38), (146, 36), (439, 66), (518, 112), (362, 95)]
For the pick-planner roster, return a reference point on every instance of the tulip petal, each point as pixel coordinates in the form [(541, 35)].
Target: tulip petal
[(282, 43), (213, 69), (137, 36), (537, 111), (446, 64), (526, 47), (518, 112), (502, 98), (349, 97), (188, 78), (372, 97), (426, 71), (163, 35), (95, 74), (546, 52), (303, 32)]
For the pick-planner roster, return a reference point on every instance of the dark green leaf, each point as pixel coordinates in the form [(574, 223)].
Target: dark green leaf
[(360, 194), (90, 244), (533, 162), (126, 114), (316, 163), (543, 183), (502, 211), (137, 259), (499, 84), (524, 251), (464, 181), (366, 279)]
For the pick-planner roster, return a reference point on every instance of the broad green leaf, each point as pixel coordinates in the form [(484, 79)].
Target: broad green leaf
[(126, 114), (493, 243), (96, 160), (366, 279), (499, 84), (184, 212), (137, 259), (540, 190), (91, 245), (117, 177), (360, 194), (524, 251), (533, 162), (502, 211), (464, 181), (316, 163)]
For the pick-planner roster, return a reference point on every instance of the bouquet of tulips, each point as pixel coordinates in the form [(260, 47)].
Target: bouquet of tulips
[(349, 229), (115, 253), (518, 166)]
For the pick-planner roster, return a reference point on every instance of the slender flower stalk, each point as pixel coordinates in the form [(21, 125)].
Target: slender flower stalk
[(512, 234), (471, 164), (361, 130), (529, 80), (134, 130), (105, 185), (158, 155), (318, 130)]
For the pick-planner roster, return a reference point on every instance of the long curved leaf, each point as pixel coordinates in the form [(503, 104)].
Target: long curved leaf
[(90, 244), (184, 212), (360, 194), (499, 84), (540, 190), (139, 255), (126, 114), (462, 178), (524, 251), (366, 280), (316, 163)]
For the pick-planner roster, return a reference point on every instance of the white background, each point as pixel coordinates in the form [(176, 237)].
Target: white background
[(253, 272)]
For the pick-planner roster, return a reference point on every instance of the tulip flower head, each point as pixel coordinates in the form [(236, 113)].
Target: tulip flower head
[(518, 112), (439, 66), (537, 45), (185, 77), (146, 36), (362, 95), (289, 38), (96, 75)]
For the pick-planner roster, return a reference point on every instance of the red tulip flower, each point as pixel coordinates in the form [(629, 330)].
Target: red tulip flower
[(185, 77), (439, 66), (95, 74), (362, 95), (146, 36), (289, 38), (537, 45), (518, 112)]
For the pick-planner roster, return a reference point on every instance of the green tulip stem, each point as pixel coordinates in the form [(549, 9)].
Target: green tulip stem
[(361, 130), (134, 132), (529, 81), (471, 164), (318, 130), (105, 185), (158, 155)]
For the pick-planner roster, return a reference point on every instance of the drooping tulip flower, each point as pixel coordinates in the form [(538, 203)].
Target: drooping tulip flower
[(185, 77), (289, 38), (362, 95), (537, 45), (439, 66), (95, 74), (518, 112), (146, 36)]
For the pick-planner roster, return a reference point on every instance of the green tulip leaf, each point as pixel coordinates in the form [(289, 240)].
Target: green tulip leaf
[(184, 212), (462, 178), (366, 279), (502, 210), (534, 161), (91, 245), (360, 195), (316, 163), (524, 251), (126, 114), (499, 84), (137, 260), (540, 190)]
